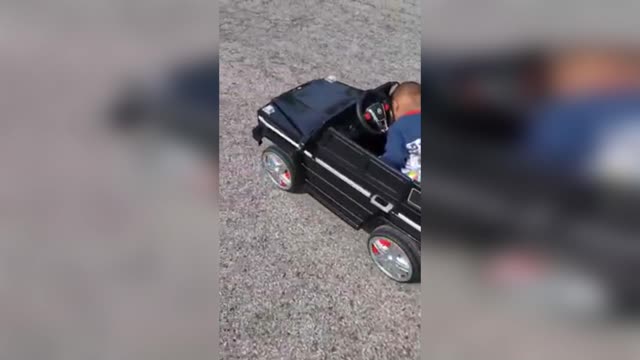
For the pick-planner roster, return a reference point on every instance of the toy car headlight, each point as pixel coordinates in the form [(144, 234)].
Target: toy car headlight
[(331, 78)]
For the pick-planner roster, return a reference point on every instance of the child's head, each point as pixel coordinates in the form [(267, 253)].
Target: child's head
[(406, 98)]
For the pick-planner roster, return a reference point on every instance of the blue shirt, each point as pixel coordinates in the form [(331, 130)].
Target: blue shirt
[(402, 135), (566, 134)]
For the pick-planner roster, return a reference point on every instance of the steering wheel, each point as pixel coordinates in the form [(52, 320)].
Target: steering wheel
[(374, 112)]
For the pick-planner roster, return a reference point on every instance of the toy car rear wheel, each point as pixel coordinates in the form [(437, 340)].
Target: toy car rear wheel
[(395, 254), (281, 169)]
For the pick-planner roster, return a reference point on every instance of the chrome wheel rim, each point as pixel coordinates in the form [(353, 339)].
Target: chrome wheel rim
[(390, 258), (277, 170)]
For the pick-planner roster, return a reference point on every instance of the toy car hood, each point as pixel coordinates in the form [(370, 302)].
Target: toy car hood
[(303, 110)]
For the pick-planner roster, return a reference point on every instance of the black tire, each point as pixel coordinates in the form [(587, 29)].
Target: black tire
[(294, 168), (409, 246)]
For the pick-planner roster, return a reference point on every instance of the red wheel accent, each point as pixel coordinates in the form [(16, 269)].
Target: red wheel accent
[(386, 243), (367, 116), (287, 175), (374, 249)]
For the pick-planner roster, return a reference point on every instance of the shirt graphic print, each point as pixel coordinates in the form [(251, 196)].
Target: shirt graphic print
[(413, 165)]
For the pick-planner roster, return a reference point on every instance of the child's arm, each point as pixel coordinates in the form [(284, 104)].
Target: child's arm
[(395, 150)]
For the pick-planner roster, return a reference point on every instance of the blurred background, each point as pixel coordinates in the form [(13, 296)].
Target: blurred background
[(532, 181), (108, 237)]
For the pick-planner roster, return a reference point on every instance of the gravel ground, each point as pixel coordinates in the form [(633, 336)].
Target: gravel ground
[(296, 282)]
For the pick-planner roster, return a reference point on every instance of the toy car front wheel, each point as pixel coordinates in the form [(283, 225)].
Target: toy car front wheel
[(281, 169), (395, 254)]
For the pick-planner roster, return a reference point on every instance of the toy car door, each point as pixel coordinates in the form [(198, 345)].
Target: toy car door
[(355, 183)]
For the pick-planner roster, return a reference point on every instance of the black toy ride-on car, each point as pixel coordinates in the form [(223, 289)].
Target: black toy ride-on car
[(326, 141)]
